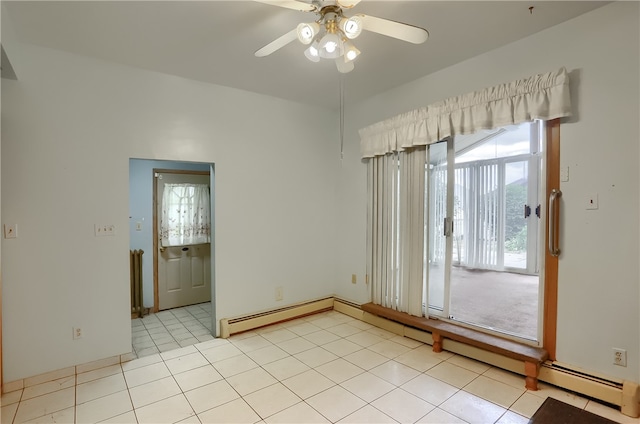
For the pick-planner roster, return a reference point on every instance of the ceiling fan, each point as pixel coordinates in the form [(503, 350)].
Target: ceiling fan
[(330, 35)]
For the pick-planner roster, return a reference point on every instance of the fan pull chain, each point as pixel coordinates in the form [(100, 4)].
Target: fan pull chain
[(341, 117)]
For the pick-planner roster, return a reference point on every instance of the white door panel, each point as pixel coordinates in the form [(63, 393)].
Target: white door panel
[(184, 272)]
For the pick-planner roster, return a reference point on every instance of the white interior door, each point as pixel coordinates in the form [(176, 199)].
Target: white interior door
[(184, 272)]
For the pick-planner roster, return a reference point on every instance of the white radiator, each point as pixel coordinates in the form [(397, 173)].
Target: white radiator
[(135, 263)]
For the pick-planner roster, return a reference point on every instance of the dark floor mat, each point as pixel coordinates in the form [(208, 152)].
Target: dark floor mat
[(553, 411)]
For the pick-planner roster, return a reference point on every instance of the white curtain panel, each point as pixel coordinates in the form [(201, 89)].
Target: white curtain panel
[(382, 229), (412, 234), (186, 215), (542, 96), (395, 238)]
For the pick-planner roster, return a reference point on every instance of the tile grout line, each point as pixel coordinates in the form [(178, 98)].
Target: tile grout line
[(299, 336), (178, 384), (292, 355), (244, 353), (133, 408), (336, 384), (169, 332)]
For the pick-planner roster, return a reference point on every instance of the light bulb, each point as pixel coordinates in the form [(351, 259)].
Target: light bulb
[(330, 46), (312, 53), (352, 27), (306, 32), (350, 51)]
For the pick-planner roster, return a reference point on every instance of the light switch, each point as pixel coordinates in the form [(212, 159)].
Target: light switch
[(104, 230), (591, 201), (10, 231), (139, 226), (564, 174)]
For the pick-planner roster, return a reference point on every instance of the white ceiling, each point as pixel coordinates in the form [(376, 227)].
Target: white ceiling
[(214, 41)]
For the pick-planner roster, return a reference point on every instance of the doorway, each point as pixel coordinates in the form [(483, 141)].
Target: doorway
[(142, 226), (182, 238)]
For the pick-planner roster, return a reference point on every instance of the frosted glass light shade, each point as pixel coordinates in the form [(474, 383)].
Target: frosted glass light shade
[(352, 27), (306, 32), (344, 67), (350, 51), (312, 52), (330, 46)]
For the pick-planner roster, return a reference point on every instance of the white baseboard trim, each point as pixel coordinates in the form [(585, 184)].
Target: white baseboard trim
[(65, 372), (229, 326)]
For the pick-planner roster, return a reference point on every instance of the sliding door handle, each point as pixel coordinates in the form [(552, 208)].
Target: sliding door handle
[(554, 216), (448, 227)]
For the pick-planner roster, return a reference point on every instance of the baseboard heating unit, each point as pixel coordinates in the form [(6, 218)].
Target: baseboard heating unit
[(625, 394), (249, 322)]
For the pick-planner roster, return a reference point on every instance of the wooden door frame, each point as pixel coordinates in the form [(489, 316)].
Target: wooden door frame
[(550, 313), (156, 171)]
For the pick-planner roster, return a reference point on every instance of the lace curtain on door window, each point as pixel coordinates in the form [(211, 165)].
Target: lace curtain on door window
[(186, 215)]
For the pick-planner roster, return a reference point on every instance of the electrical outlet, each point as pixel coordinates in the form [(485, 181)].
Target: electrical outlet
[(354, 278), (279, 294), (77, 333), (619, 357), (10, 231)]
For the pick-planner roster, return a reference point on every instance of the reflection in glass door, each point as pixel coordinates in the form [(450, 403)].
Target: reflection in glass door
[(516, 212), (483, 230), (437, 261)]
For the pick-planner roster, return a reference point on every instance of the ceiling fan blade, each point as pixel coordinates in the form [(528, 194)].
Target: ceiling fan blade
[(347, 4), (289, 4), (278, 43), (399, 30)]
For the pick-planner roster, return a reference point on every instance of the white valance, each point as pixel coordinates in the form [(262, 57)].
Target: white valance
[(542, 96)]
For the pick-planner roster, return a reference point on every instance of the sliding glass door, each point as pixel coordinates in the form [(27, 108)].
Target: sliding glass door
[(438, 262), (483, 230)]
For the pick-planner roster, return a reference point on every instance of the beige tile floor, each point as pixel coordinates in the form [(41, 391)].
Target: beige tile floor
[(318, 369), (171, 329)]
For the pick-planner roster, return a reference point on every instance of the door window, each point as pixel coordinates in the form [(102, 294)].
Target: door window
[(186, 215)]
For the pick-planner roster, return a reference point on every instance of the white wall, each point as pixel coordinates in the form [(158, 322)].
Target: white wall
[(598, 296), (70, 125)]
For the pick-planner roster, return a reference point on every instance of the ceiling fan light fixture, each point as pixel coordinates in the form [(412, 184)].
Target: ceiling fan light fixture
[(307, 31), (343, 66), (330, 46), (350, 51), (312, 52), (351, 27), (329, 37)]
